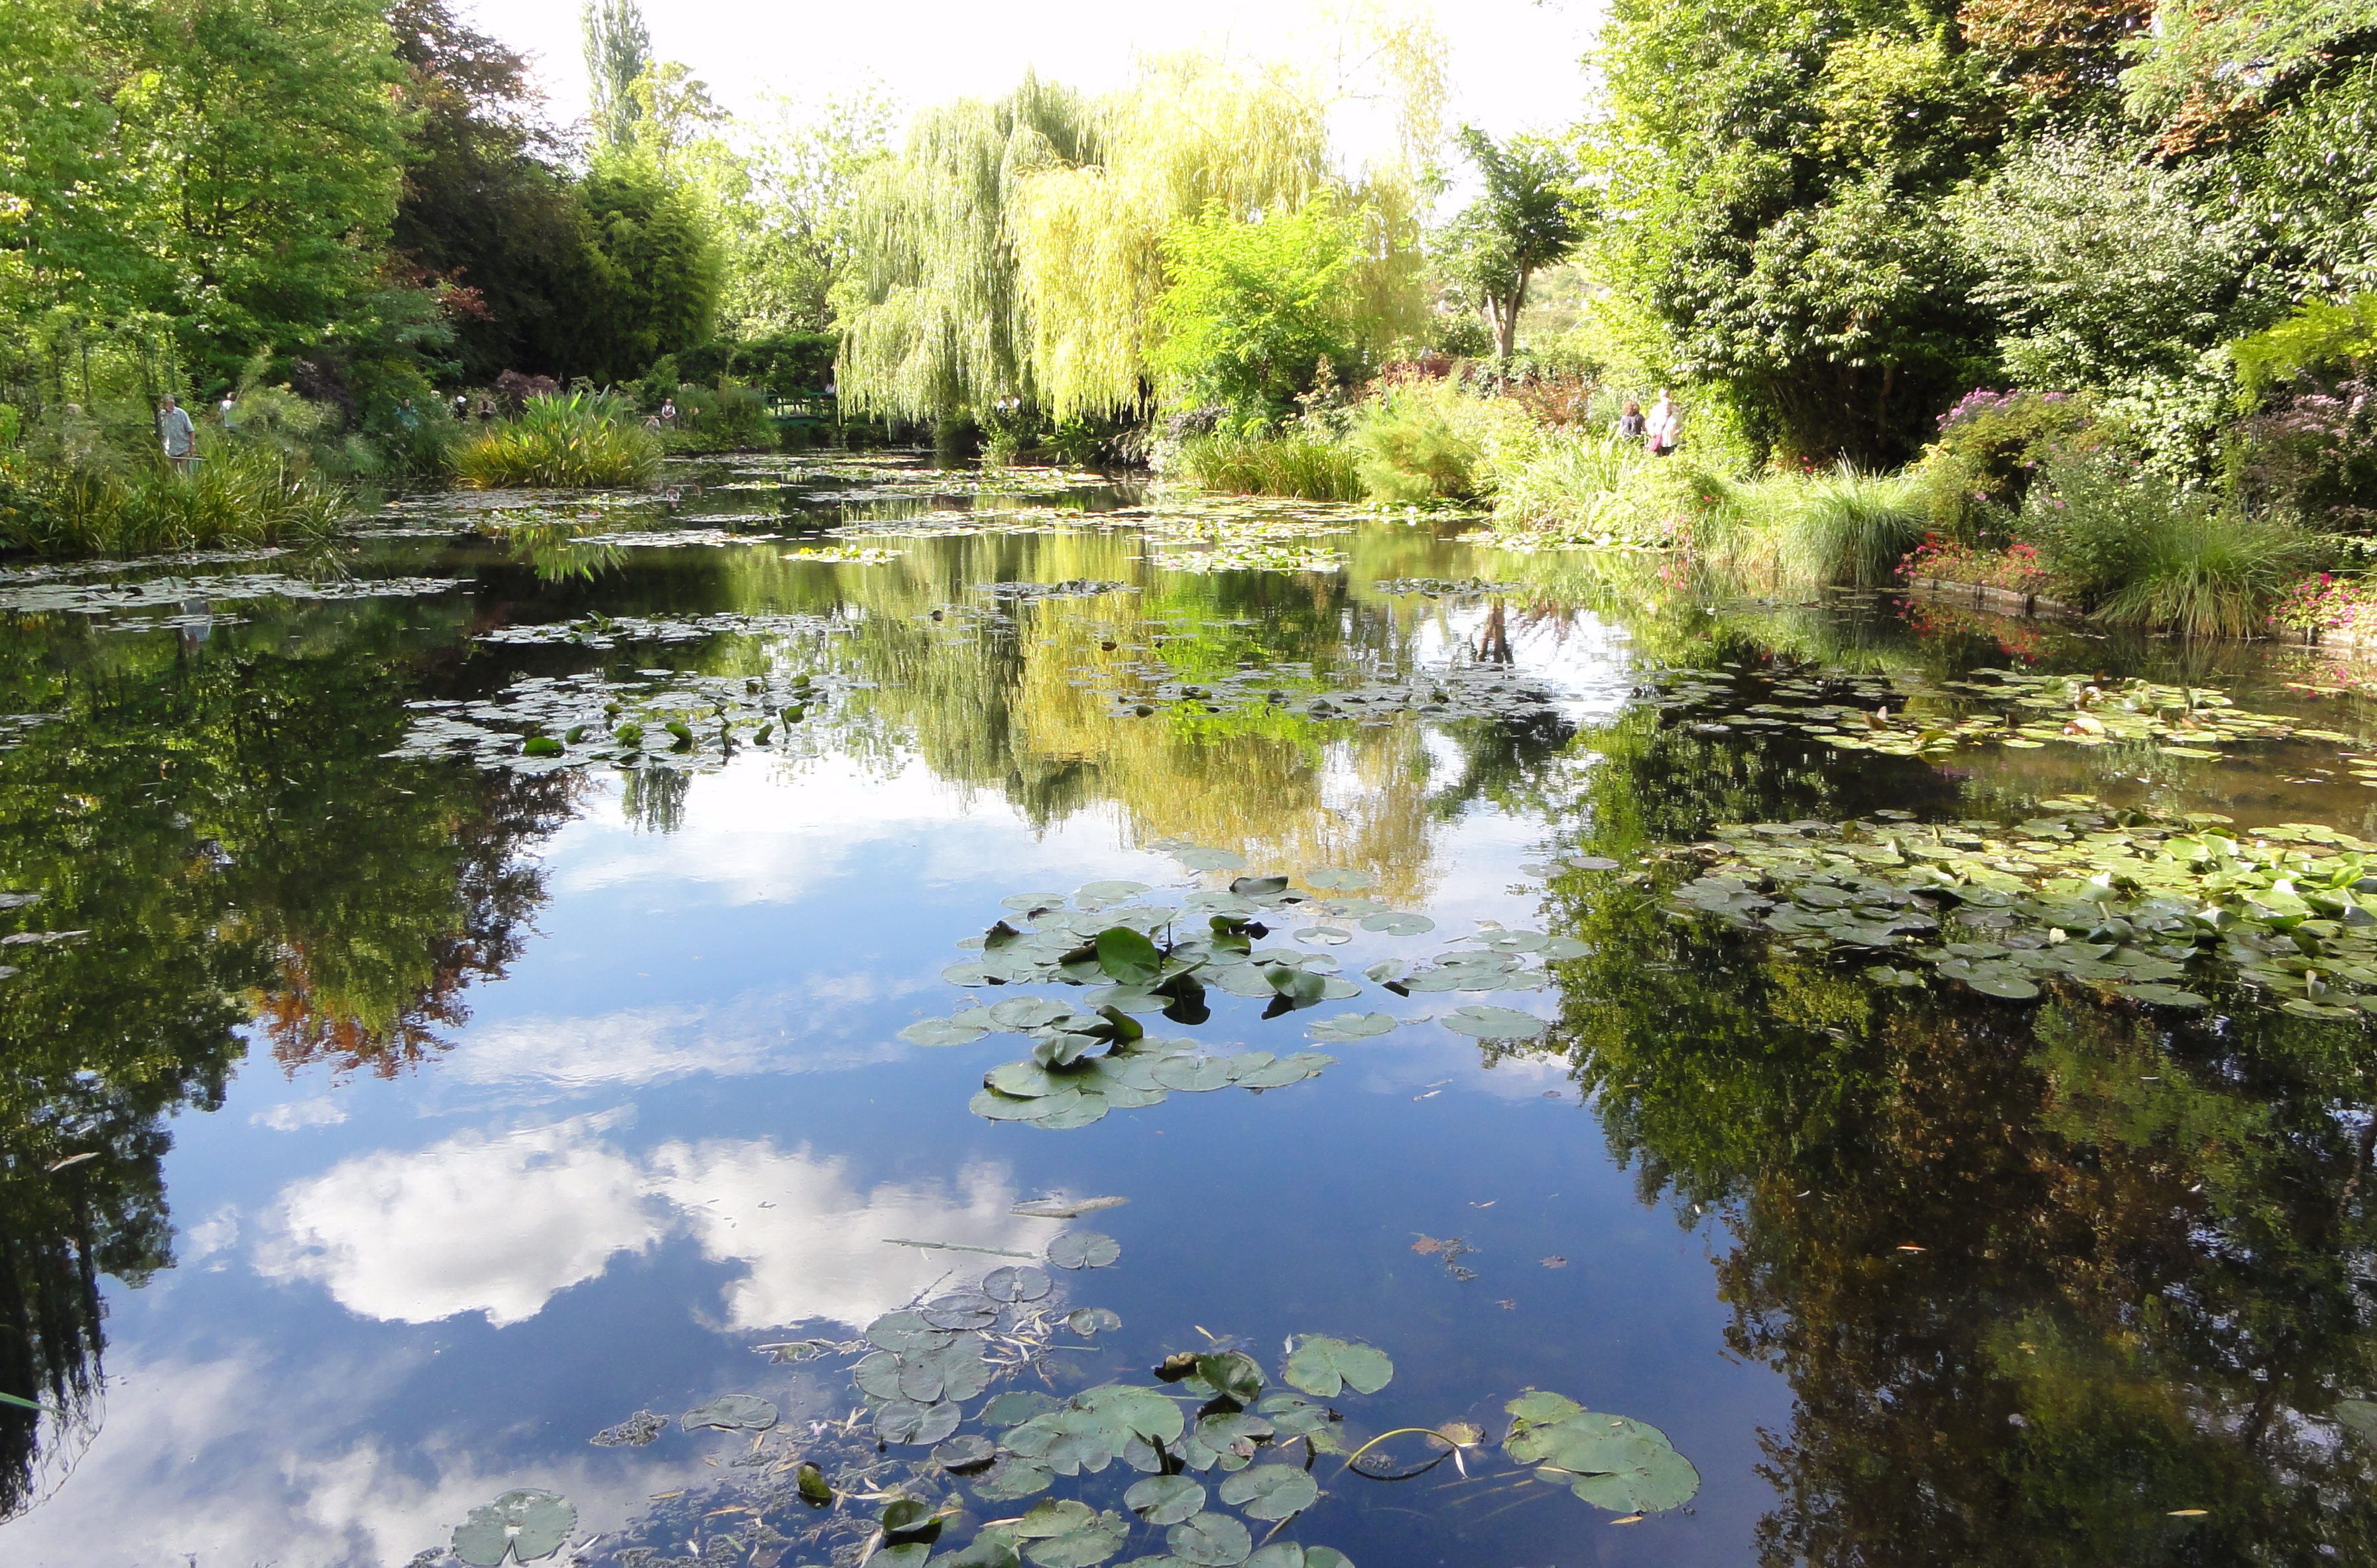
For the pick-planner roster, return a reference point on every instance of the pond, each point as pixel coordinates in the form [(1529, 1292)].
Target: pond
[(855, 1001)]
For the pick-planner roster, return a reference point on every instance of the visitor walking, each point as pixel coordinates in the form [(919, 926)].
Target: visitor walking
[(1631, 425), (229, 411), (179, 437), (1665, 425), (486, 409)]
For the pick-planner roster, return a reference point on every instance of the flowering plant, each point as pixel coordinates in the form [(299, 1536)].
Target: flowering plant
[(2015, 567), (2327, 602)]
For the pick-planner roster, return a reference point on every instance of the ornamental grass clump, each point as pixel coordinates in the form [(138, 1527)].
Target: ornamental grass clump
[(1311, 465), (240, 493), (565, 441), (1845, 527)]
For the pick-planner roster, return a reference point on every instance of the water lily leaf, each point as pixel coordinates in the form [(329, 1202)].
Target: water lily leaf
[(1012, 1476), (1233, 1375), (942, 1032), (1592, 863), (1192, 1074), (1291, 1417), (965, 1454), (2012, 987), (1396, 923), (1259, 887), (1016, 1284), (1300, 987), (993, 1546), (961, 1310), (1210, 1540), (904, 1330), (525, 1526), (878, 1375), (1030, 1012), (1324, 935), (1280, 1073), (1325, 1367), (904, 1420), (1142, 1411), (1083, 1250), (1089, 1320), (2163, 995), (809, 1482), (1494, 1024), (1166, 1500), (1092, 894), (1352, 882), (1350, 1026), (992, 1105), (1270, 1491), (1128, 957), (1613, 1461), (1208, 859), (1081, 1544), (909, 1519), (731, 1412), (1032, 903), (900, 1554)]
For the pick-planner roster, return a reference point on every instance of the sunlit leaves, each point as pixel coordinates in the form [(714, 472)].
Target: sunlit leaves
[(1324, 1367), (522, 1526)]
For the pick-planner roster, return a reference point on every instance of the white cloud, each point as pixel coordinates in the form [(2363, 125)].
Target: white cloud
[(291, 1115), (191, 1464), (498, 1226)]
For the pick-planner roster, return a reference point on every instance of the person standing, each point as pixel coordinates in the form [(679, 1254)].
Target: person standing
[(1631, 425), (1665, 425), (179, 437), (668, 414), (229, 412)]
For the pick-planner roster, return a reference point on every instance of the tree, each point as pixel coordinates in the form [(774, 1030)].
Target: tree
[(790, 233), (651, 277), (1527, 219), (1256, 308), (618, 50)]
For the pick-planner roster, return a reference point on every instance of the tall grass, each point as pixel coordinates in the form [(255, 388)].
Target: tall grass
[(2204, 575), (242, 493), (1306, 465), (1414, 444), (1845, 527), (1574, 487), (565, 441)]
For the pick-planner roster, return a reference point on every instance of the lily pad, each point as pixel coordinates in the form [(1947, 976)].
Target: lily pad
[(1613, 1461), (1023, 1283), (966, 1453), (1495, 1023), (731, 1412), (1208, 859), (960, 1311), (1352, 882), (1089, 1320), (1029, 1012), (942, 1032), (1062, 1533), (1083, 1250), (1210, 1540), (523, 1525), (1325, 1367), (1347, 1027), (1166, 1500), (1012, 1476), (905, 1421), (1396, 923), (1270, 1491)]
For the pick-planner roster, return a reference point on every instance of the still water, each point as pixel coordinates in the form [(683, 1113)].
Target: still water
[(452, 1097)]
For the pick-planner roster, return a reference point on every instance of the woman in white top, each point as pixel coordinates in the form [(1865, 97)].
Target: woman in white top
[(1665, 424)]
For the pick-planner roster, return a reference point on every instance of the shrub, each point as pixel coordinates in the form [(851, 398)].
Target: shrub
[(241, 492), (1416, 444), (1991, 446), (2315, 457), (1297, 462), (1845, 527), (1576, 486), (2140, 553), (2016, 566), (562, 441), (727, 417)]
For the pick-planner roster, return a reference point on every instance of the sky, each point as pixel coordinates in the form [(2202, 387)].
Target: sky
[(1514, 67)]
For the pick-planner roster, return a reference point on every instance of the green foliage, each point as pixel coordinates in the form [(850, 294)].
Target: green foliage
[(240, 493), (1257, 312), (1844, 526), (563, 441), (2320, 335), (1991, 446), (652, 277), (1411, 445), (618, 49), (1298, 461), (2143, 553), (1527, 219), (725, 417)]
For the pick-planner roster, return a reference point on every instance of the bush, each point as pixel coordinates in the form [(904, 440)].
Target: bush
[(1844, 527), (242, 492), (727, 417), (1416, 443), (1301, 463), (563, 441), (1578, 487), (2139, 553), (1991, 446)]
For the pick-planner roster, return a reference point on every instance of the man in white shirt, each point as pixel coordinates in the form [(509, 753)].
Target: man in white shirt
[(178, 435)]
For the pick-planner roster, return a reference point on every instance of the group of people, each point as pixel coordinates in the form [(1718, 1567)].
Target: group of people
[(1657, 431)]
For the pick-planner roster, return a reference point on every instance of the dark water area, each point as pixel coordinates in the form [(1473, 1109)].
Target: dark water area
[(403, 1080)]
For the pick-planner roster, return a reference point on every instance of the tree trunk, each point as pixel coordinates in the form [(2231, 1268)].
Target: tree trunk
[(1507, 324)]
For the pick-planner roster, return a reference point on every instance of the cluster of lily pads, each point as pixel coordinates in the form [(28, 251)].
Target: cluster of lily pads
[(2121, 901), (1448, 691), (598, 630), (1441, 588), (193, 597), (657, 719), (1130, 956), (1212, 1459), (2019, 709)]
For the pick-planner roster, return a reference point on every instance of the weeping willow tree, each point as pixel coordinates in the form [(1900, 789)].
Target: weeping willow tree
[(938, 322), (1016, 249)]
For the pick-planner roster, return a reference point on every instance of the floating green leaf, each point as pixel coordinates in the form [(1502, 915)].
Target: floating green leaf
[(523, 1525), (942, 1032), (1613, 1461), (731, 1412), (1065, 1534), (1347, 1027), (1166, 1500), (1208, 859), (1494, 1024), (1396, 923), (1270, 1491), (1128, 957), (1324, 1367), (1083, 1250), (1348, 880)]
